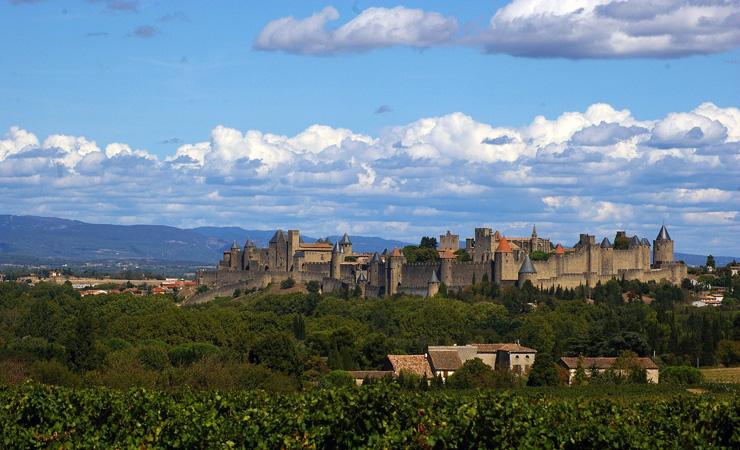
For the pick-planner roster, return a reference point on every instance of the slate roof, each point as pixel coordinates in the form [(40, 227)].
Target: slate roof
[(493, 348), (375, 258), (444, 360), (250, 244), (663, 235), (603, 362), (345, 240), (606, 244), (417, 364), (276, 236), (644, 241), (503, 246), (433, 278), (527, 266), (361, 277), (635, 241), (299, 254), (234, 246), (337, 248)]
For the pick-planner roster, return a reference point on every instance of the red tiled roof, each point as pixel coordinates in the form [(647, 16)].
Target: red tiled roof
[(395, 252), (417, 364), (559, 250), (603, 362), (503, 246), (493, 348), (497, 235), (447, 254), (444, 360)]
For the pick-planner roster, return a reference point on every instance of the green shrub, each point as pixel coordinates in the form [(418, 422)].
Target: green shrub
[(287, 283), (336, 379), (683, 375), (186, 354)]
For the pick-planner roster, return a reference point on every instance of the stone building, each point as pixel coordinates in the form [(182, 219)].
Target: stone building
[(504, 260)]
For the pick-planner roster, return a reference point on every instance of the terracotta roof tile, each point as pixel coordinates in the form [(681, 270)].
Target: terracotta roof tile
[(444, 360), (417, 364), (503, 246), (447, 254), (559, 250), (604, 363), (395, 252), (493, 348), (497, 235)]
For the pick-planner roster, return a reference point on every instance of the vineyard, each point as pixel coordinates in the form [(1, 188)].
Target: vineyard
[(39, 416)]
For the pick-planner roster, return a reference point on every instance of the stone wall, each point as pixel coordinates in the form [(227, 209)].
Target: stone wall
[(464, 272)]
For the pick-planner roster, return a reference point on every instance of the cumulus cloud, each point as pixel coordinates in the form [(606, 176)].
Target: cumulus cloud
[(372, 28), (575, 29), (591, 169)]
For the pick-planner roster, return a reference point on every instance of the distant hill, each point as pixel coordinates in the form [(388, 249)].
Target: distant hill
[(49, 237), (31, 238)]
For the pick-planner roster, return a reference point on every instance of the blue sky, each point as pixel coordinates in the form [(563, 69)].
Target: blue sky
[(397, 120)]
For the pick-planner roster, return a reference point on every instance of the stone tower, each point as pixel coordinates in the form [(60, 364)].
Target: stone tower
[(346, 245), (662, 248), (527, 272), (336, 262), (433, 285), (395, 267), (503, 262), (607, 257), (445, 270), (373, 272)]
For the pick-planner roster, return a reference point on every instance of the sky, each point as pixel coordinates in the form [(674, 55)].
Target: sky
[(377, 118)]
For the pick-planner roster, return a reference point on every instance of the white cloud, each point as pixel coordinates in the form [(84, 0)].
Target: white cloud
[(612, 28), (592, 169), (372, 28)]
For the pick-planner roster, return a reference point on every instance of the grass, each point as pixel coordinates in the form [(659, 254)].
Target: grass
[(723, 375)]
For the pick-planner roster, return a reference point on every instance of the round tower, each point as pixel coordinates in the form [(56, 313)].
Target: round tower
[(337, 256), (395, 267), (503, 262), (527, 272), (445, 269), (607, 257), (662, 248), (433, 285), (346, 245), (373, 272)]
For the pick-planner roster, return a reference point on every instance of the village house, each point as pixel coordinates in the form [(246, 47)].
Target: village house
[(600, 364)]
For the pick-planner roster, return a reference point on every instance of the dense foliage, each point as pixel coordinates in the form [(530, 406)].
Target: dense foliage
[(379, 416), (282, 341)]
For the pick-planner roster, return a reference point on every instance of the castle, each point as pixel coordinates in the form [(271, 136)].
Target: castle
[(505, 261)]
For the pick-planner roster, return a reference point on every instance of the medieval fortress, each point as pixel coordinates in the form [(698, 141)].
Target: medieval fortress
[(505, 261)]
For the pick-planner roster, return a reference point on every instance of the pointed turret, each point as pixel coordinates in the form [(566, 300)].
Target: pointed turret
[(663, 234), (559, 250), (606, 244), (234, 246), (635, 242), (395, 252), (250, 244), (375, 258), (534, 230), (433, 278), (527, 266), (345, 240), (361, 278), (337, 248), (503, 246), (644, 241)]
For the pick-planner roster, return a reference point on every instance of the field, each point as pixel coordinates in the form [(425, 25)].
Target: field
[(723, 375)]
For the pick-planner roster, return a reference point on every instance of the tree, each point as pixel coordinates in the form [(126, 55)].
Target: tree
[(710, 261), (474, 373), (580, 376), (428, 242), (462, 255), (544, 372)]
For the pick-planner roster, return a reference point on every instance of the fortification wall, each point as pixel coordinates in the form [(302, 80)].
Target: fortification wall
[(628, 259), (463, 273), (316, 268), (418, 274)]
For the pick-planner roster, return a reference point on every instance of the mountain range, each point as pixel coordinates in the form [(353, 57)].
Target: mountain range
[(70, 240)]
